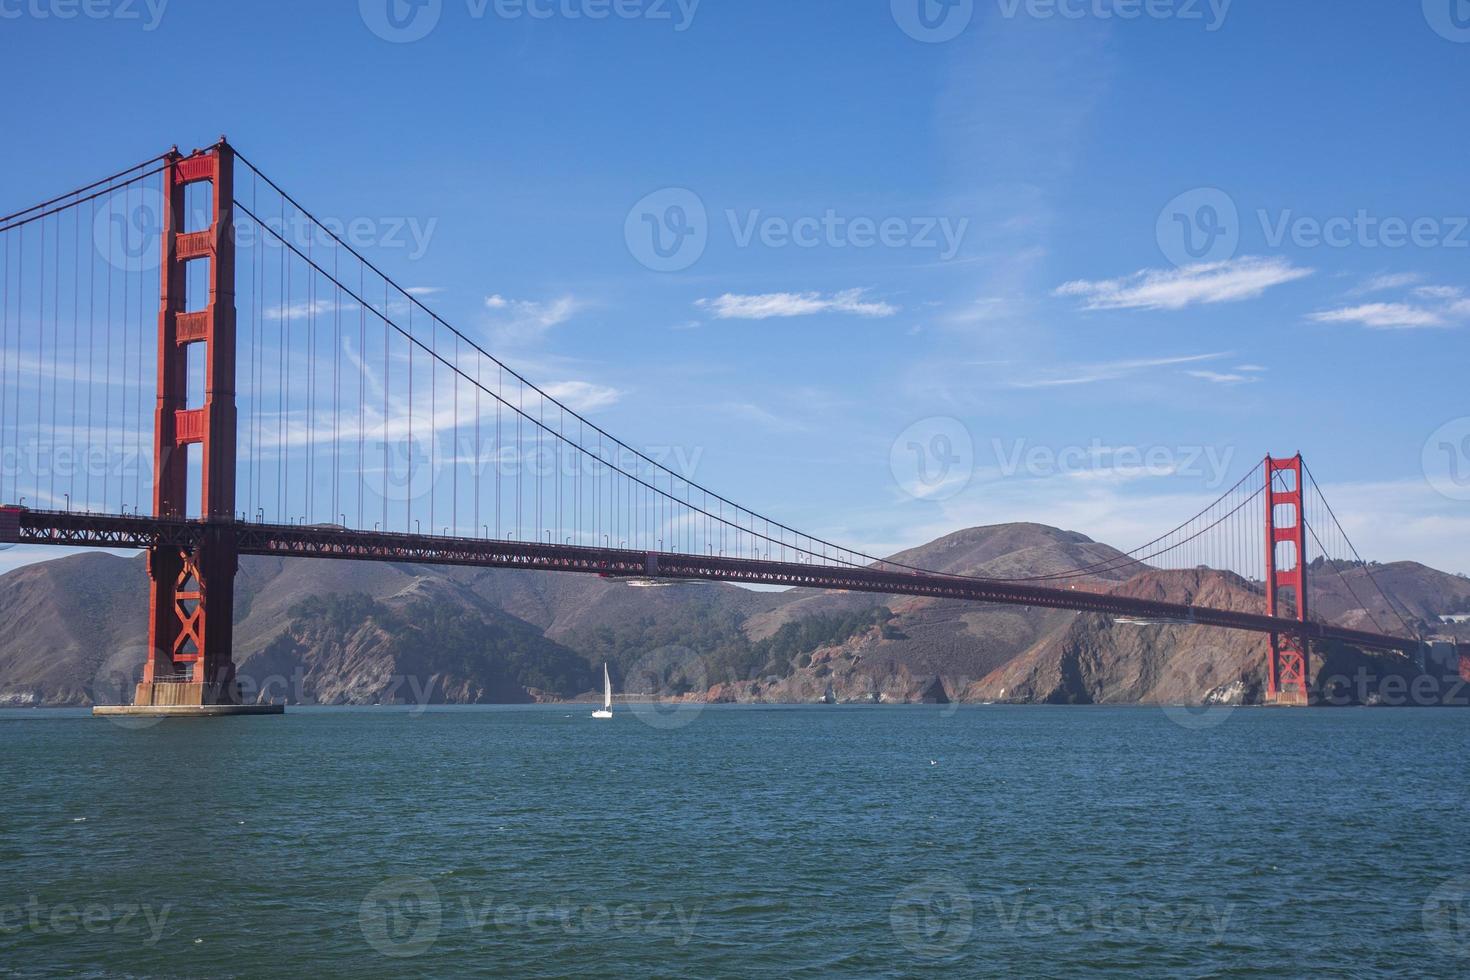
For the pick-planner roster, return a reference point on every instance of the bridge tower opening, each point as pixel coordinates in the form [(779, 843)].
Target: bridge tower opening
[(1288, 666), (191, 593)]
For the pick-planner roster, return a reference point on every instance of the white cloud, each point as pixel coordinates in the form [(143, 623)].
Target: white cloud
[(1439, 292), (1383, 316), (1174, 289), (1220, 378), (424, 290), (751, 412), (302, 311), (986, 310), (765, 306), (583, 396), (518, 321), (1398, 280), (1253, 368), (1082, 374), (1433, 306)]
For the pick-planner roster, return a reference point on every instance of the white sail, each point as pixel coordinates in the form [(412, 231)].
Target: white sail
[(606, 711)]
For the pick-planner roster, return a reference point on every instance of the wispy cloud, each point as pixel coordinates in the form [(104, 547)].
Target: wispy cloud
[(1439, 292), (768, 305), (1174, 289), (1435, 306), (302, 311), (583, 396), (519, 321), (424, 290), (751, 412), (1224, 378), (1382, 316), (1387, 281), (984, 310), (1084, 374)]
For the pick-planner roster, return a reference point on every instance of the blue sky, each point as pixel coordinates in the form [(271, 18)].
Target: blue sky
[(1081, 262)]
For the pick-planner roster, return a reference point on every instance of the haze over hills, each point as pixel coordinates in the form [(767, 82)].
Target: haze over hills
[(349, 632)]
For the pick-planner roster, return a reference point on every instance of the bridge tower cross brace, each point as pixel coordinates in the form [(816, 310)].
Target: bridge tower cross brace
[(191, 593), (1288, 667)]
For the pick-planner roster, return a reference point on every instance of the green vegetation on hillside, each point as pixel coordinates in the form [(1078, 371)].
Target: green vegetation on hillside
[(720, 641), (451, 639)]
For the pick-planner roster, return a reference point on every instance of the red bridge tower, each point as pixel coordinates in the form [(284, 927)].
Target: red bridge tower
[(192, 593), (1288, 664)]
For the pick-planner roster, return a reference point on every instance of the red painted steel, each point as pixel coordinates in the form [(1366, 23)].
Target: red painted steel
[(192, 586), (1288, 667), (110, 531)]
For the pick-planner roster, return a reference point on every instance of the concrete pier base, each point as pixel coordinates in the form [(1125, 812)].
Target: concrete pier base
[(185, 710)]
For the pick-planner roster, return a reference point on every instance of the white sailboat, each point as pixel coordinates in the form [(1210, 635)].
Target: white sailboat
[(606, 711)]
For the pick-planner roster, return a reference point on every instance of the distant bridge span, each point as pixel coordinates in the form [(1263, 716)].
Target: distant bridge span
[(147, 533)]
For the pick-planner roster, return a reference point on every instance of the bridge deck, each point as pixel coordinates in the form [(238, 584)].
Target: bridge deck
[(94, 530)]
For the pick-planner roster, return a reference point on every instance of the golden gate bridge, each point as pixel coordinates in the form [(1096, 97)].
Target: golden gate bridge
[(194, 365)]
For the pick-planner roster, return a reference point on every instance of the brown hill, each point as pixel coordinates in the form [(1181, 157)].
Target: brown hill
[(63, 622)]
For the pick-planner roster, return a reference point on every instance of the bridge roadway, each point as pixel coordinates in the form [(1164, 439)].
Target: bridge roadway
[(27, 526)]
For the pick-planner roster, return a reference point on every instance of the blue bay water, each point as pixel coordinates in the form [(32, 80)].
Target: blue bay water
[(737, 841)]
